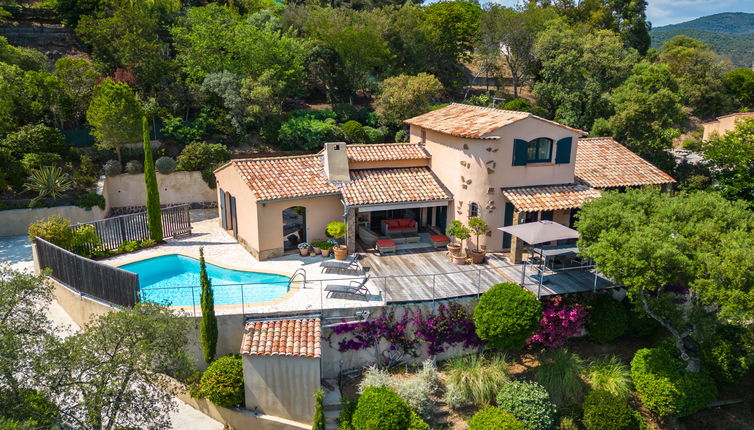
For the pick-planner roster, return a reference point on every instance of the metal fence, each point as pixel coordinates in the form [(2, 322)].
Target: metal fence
[(115, 231), (89, 277)]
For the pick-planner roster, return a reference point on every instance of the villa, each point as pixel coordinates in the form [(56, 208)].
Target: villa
[(462, 161), (724, 124)]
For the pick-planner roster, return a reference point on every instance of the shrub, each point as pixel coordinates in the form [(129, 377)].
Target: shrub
[(202, 155), (35, 160), (491, 418), (639, 323), (112, 168), (401, 136), (85, 241), (346, 413), (165, 165), (186, 132), (507, 315), (89, 200), (374, 377), (417, 423), (726, 353), (12, 172), (609, 374), (560, 321), (518, 104), (560, 373), (416, 390), (306, 133), (380, 408), (606, 411), (54, 229), (449, 325), (222, 382), (664, 385), (318, 421), (374, 135), (37, 138), (353, 132), (270, 129), (134, 167), (474, 379), (530, 403), (608, 319), (336, 229)]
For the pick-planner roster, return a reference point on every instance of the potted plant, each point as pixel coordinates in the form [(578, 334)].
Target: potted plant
[(479, 227), (303, 249), (453, 229), (316, 246), (326, 247), (336, 230)]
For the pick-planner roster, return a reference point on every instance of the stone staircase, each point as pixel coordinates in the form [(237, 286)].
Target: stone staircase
[(331, 403)]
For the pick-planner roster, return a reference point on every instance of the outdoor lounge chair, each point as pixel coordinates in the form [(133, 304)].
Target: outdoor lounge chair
[(350, 264), (354, 288)]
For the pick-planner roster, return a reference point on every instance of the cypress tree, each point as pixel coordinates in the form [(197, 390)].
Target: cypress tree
[(208, 326), (154, 217), (318, 421)]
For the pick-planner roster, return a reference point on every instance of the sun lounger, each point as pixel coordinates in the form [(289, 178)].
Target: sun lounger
[(354, 288), (350, 264)]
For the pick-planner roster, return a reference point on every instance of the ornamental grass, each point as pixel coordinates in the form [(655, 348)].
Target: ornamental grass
[(475, 379)]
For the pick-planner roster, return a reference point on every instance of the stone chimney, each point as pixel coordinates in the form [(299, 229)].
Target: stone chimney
[(336, 162)]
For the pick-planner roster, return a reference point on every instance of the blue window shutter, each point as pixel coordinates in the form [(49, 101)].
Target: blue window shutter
[(520, 152), (563, 151)]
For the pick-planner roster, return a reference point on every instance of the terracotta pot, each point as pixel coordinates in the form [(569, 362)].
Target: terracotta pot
[(325, 253), (303, 251), (316, 250), (454, 249), (477, 256), (340, 252), (459, 260)]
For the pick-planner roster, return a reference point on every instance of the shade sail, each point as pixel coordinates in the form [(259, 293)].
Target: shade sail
[(540, 232)]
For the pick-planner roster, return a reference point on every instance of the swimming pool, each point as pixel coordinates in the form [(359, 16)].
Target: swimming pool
[(173, 280)]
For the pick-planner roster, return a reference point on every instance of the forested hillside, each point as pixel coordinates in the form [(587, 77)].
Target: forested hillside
[(730, 34)]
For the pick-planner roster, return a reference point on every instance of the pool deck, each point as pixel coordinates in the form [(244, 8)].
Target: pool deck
[(221, 249)]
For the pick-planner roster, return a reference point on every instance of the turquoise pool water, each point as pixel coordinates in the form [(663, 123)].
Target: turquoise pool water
[(173, 280)]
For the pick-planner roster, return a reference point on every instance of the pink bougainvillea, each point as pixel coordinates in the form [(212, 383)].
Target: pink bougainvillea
[(560, 320)]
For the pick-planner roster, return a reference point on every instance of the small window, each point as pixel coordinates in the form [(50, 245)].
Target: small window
[(540, 150), (473, 210)]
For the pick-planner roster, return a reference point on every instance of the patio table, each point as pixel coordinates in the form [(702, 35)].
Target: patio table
[(553, 252)]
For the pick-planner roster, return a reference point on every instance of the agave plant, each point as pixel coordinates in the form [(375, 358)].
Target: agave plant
[(48, 181)]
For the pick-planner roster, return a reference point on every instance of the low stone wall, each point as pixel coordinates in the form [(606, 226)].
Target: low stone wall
[(15, 222), (128, 190)]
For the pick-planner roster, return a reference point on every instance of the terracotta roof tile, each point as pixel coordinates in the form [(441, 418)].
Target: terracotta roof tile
[(472, 121), (549, 197), (285, 177), (601, 162), (299, 337), (379, 186), (386, 152)]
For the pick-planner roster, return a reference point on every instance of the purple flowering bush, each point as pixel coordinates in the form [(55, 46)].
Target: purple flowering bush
[(452, 324), (367, 334), (560, 320)]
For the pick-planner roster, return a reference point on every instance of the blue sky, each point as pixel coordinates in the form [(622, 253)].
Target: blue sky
[(663, 12)]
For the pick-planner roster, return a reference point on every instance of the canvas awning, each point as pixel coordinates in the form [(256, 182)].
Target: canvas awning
[(541, 232)]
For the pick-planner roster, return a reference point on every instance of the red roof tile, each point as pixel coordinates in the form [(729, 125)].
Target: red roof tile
[(299, 337), (601, 162), (398, 185), (549, 197), (285, 177), (472, 121), (386, 152)]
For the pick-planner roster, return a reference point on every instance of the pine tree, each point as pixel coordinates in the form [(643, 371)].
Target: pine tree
[(318, 422), (154, 216), (208, 326)]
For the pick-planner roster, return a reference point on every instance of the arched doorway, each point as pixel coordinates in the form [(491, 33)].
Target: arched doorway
[(294, 227)]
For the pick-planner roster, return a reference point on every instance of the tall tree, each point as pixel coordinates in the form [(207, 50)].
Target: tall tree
[(403, 97), (115, 115), (740, 84), (208, 327), (686, 260), (154, 214), (732, 160), (579, 68), (508, 36), (647, 110), (700, 74)]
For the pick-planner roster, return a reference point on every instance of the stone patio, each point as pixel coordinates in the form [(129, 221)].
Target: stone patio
[(221, 248)]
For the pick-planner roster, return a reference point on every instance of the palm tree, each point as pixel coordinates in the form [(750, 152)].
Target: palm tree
[(48, 181)]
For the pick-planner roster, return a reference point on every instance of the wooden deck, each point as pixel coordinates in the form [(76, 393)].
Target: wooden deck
[(426, 274)]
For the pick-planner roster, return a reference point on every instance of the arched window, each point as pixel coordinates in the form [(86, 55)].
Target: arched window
[(540, 150)]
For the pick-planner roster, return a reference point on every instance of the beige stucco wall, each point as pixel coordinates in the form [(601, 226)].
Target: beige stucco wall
[(177, 187), (723, 124), (229, 337), (81, 308), (497, 155), (281, 386), (15, 222)]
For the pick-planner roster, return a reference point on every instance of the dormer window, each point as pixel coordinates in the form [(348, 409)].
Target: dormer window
[(540, 150)]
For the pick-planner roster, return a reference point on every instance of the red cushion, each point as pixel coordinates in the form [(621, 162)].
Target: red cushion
[(439, 238), (392, 223), (385, 242), (406, 222)]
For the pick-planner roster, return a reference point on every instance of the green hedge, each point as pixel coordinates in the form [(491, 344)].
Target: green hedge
[(380, 408), (530, 403), (608, 319), (507, 315), (491, 418), (664, 385), (222, 382), (606, 411)]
